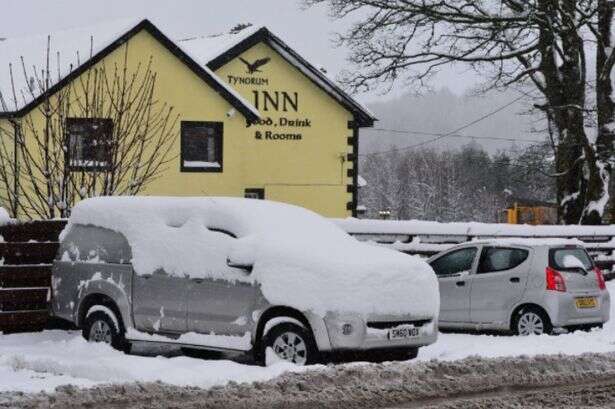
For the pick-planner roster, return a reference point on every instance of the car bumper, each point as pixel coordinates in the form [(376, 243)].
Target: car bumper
[(364, 336), (563, 311)]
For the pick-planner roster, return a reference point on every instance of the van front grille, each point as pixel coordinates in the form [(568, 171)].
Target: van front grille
[(393, 324)]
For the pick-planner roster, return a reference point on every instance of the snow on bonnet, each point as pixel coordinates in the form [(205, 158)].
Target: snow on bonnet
[(299, 258)]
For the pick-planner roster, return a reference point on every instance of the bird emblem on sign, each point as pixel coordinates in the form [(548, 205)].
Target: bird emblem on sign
[(254, 67)]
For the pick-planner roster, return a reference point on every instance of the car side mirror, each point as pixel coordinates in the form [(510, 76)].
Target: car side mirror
[(245, 267)]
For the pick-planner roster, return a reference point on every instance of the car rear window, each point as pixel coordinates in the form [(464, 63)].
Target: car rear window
[(570, 258)]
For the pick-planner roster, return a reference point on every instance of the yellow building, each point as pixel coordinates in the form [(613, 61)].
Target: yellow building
[(254, 119)]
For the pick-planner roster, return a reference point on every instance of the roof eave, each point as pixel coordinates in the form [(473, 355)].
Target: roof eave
[(364, 121), (362, 117), (147, 25), (235, 102)]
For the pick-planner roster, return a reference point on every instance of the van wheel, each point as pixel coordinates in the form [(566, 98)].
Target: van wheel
[(99, 327), (531, 321), (291, 343)]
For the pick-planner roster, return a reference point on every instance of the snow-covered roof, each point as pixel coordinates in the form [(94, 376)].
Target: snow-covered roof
[(365, 116), (68, 49), (216, 50), (208, 47), (71, 50)]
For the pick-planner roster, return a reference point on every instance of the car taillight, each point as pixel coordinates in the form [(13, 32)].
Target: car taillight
[(600, 278), (555, 281)]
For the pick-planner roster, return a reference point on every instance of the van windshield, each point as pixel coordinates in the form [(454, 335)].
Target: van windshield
[(570, 259)]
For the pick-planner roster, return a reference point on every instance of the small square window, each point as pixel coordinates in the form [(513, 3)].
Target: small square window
[(254, 194), (89, 143), (201, 146)]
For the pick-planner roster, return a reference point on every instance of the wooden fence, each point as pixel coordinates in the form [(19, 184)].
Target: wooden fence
[(26, 253), (426, 238), (28, 249)]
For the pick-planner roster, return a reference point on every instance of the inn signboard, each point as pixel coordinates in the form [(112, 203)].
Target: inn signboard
[(280, 108)]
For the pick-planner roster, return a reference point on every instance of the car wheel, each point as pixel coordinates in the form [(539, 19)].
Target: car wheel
[(532, 321), (100, 327), (292, 343)]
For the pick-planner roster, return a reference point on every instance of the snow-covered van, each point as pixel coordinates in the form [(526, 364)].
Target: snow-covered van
[(237, 275)]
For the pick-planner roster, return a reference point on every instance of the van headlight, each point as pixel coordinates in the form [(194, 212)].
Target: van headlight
[(345, 330)]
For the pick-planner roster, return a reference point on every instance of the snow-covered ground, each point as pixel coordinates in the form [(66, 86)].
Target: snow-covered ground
[(43, 361)]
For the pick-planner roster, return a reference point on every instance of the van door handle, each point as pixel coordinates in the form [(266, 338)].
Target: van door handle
[(146, 276), (460, 283), (514, 279)]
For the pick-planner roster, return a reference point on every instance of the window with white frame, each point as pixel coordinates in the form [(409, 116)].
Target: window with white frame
[(201, 146)]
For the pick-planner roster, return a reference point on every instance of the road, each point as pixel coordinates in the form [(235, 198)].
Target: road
[(544, 381), (594, 394)]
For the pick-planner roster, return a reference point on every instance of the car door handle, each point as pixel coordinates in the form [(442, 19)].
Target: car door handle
[(460, 283), (146, 276), (197, 280), (514, 279)]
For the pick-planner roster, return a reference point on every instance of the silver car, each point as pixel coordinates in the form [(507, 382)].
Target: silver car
[(525, 286), (95, 287)]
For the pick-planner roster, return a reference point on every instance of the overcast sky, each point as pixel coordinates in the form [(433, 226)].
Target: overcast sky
[(309, 31)]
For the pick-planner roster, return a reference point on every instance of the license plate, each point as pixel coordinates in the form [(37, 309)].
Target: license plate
[(403, 332), (586, 302)]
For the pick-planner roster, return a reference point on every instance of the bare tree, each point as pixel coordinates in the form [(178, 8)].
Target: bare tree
[(541, 46), (104, 133), (8, 181), (456, 185)]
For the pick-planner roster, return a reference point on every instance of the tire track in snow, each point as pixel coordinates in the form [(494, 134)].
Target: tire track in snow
[(587, 394)]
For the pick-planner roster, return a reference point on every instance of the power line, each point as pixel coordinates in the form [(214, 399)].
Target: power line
[(453, 132), (494, 138)]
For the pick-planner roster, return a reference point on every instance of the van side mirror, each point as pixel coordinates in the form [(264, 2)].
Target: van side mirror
[(245, 267)]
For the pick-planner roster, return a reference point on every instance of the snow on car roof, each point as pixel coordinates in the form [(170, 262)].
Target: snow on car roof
[(241, 217), (299, 258), (528, 242)]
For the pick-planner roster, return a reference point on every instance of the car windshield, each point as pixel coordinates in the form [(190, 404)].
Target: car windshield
[(458, 261), (570, 259)]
